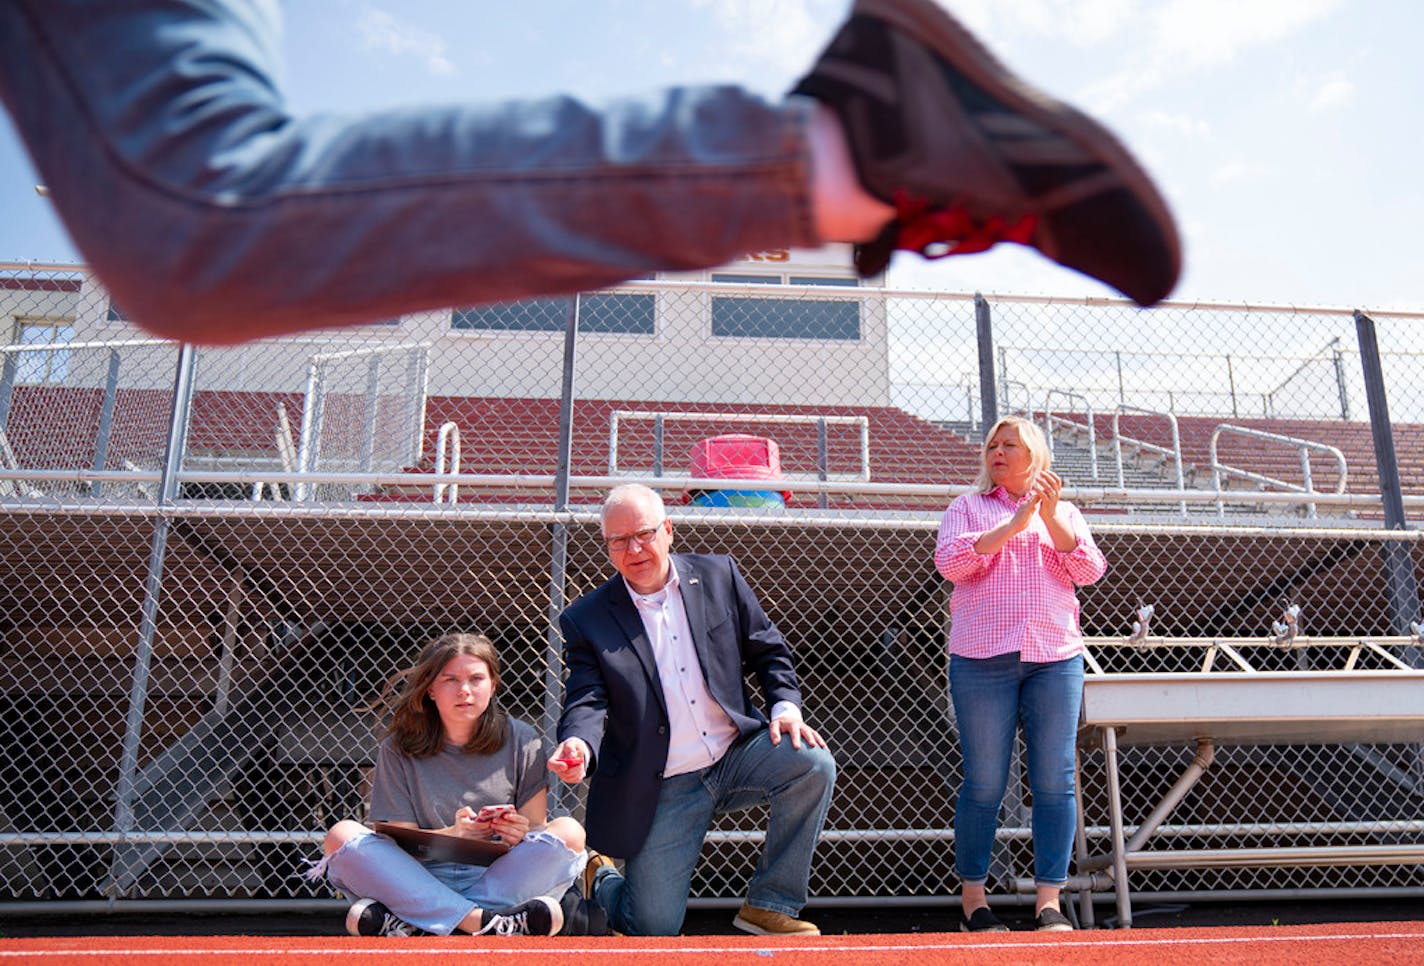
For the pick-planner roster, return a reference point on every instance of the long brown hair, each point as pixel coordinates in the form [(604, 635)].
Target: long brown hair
[(415, 721)]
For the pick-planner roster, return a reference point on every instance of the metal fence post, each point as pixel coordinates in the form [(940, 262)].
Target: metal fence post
[(983, 324), (153, 591), (371, 414), (106, 421), (823, 461), (559, 552), (310, 443), (1340, 380), (1399, 579), (1231, 381), (658, 438), (7, 386)]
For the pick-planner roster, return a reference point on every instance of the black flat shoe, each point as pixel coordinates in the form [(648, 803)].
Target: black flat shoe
[(983, 920)]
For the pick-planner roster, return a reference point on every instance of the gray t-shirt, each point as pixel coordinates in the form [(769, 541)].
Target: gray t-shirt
[(428, 791)]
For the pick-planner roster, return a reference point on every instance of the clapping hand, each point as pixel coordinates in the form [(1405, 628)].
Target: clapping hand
[(1046, 486)]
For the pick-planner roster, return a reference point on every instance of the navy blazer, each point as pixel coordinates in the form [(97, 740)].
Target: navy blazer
[(613, 697)]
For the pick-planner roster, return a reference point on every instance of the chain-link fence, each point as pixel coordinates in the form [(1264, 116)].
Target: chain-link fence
[(210, 557)]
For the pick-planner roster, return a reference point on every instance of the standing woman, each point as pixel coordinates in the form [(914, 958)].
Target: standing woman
[(450, 750), (1015, 552)]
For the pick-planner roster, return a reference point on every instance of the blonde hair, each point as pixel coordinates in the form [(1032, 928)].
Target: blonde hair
[(1039, 458)]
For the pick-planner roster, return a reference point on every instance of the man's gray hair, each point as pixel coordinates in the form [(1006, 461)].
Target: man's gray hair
[(635, 493)]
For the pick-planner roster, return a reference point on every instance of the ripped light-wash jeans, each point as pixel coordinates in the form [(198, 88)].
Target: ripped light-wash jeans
[(200, 200), (435, 896)]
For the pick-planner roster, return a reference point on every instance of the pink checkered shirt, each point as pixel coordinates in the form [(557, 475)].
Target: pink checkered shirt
[(1021, 598)]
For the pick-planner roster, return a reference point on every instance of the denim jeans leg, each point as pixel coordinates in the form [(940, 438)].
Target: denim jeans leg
[(650, 899), (540, 865), (163, 133), (1052, 698), (374, 867), (796, 784), (985, 694)]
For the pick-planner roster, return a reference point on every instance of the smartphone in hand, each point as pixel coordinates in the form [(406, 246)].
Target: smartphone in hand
[(491, 812)]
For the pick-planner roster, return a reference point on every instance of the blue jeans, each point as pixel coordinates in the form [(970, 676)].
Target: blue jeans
[(992, 698), (652, 899), (435, 896), (201, 202)]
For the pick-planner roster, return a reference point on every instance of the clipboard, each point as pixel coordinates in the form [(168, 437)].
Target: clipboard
[(440, 847)]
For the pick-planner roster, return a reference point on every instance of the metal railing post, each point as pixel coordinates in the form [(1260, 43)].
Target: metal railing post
[(559, 554), (153, 592), (659, 427), (7, 386), (310, 442), (106, 421), (1401, 587), (984, 328), (370, 415), (823, 461), (1340, 380)]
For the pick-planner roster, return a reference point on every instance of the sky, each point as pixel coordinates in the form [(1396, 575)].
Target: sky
[(1286, 134)]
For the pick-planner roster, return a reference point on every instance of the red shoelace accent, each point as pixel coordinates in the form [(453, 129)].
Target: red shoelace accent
[(922, 226)]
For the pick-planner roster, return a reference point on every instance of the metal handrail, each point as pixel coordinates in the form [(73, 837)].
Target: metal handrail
[(1303, 447), (861, 422), (447, 445), (1079, 494), (1028, 396), (1049, 419), (1175, 452)]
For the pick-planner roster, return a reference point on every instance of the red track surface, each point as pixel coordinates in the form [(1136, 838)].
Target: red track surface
[(1376, 944)]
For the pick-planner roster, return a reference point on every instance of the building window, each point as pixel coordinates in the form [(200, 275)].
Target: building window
[(598, 312), (115, 314), (744, 317), (836, 280), (37, 365), (746, 279)]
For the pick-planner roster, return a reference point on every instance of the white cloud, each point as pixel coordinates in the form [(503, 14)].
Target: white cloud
[(1216, 31), (1237, 171), (1092, 22), (782, 36), (381, 31), (1083, 23), (1333, 90), (1183, 125)]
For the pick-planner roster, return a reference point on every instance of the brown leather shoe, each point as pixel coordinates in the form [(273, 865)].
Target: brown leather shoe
[(596, 862), (764, 922)]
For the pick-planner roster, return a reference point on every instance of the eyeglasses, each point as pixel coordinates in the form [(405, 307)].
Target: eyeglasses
[(642, 538)]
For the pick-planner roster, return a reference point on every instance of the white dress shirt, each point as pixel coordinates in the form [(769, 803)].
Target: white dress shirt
[(700, 730)]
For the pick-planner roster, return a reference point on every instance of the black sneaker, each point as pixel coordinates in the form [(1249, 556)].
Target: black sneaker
[(582, 917), (367, 917), (983, 920), (1051, 920), (540, 916), (971, 155)]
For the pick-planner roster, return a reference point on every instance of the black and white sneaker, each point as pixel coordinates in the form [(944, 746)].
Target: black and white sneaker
[(367, 917), (970, 155), (540, 916)]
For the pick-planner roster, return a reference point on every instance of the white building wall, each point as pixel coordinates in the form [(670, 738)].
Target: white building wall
[(691, 364)]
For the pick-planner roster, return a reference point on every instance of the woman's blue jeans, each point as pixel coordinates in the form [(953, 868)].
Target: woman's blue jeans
[(993, 698), (198, 198)]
